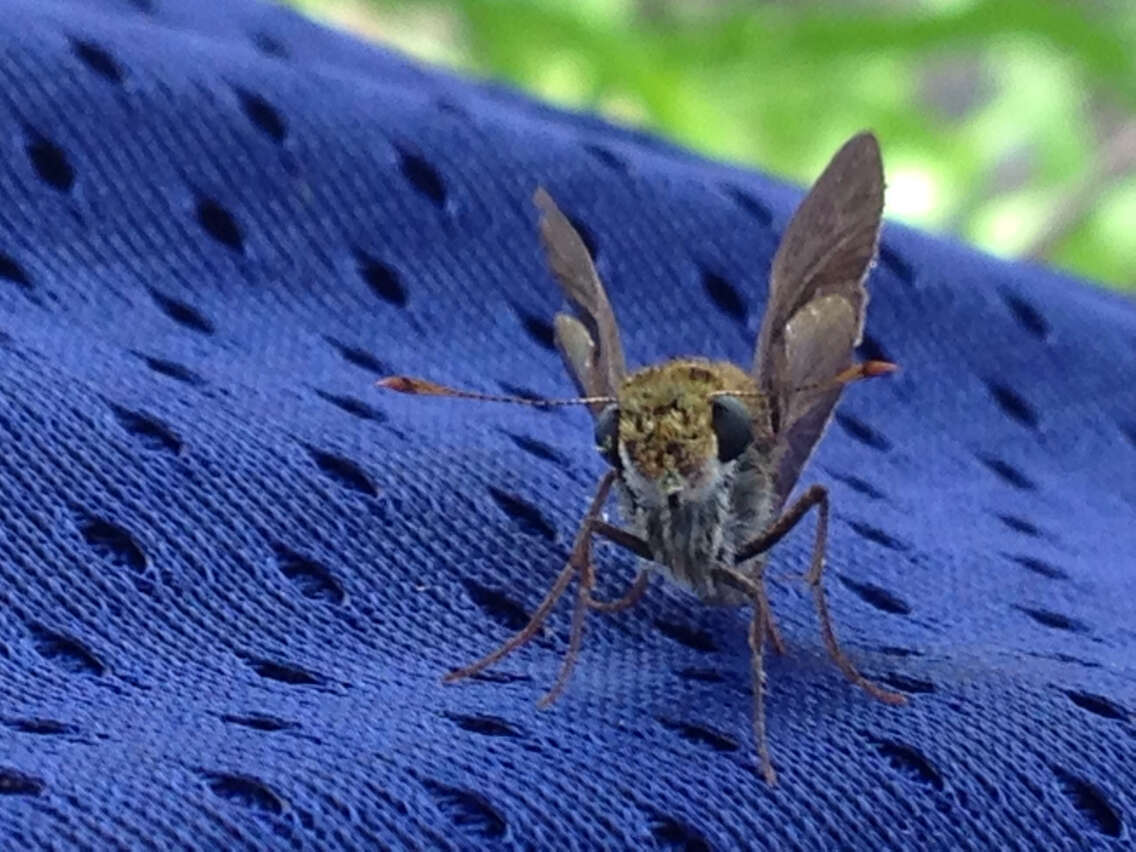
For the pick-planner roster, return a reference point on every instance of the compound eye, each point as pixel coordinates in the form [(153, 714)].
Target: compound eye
[(607, 435), (732, 426)]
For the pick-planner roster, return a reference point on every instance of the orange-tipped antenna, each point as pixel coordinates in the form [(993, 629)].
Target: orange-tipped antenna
[(863, 370), (422, 387)]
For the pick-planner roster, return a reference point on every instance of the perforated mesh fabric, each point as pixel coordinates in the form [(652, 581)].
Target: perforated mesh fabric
[(232, 571)]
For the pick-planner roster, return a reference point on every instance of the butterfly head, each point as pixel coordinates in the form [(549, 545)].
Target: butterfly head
[(676, 430)]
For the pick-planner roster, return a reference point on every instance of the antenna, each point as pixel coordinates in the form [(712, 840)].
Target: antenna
[(423, 387)]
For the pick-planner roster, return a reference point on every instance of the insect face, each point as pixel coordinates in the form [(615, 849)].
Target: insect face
[(677, 431)]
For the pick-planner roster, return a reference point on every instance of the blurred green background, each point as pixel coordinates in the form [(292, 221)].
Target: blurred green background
[(1008, 123)]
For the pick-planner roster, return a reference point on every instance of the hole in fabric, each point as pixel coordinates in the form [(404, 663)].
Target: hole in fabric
[(359, 357), (1027, 315), (862, 432), (172, 369), (13, 782), (1008, 473), (97, 59), (1098, 705), (113, 544), (875, 534), (700, 735), (220, 224), (723, 294), (182, 313), (606, 157), (697, 639), (143, 5), (672, 836), (897, 265), (489, 726), (40, 727), (311, 579), (260, 723), (1020, 525), (269, 45), (1013, 405), (859, 486), (911, 762), (450, 107), (69, 654), (1039, 566), (50, 163), (1065, 658), (1089, 802), (148, 432), (894, 651), (1056, 620), (877, 596), (870, 349), (245, 791), (344, 471), (500, 677), (285, 673), (423, 177), (470, 812), (263, 114), (701, 675), (538, 448), (540, 330), (353, 406), (497, 606), (907, 684), (750, 205), (13, 272), (527, 516), (381, 278)]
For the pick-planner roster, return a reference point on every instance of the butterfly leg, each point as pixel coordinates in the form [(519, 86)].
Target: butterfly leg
[(635, 545), (772, 633), (759, 630), (580, 556), (633, 595), (584, 601), (817, 496)]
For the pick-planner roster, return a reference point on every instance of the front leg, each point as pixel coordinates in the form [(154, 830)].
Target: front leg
[(581, 553), (817, 495), (579, 562), (584, 600), (759, 628)]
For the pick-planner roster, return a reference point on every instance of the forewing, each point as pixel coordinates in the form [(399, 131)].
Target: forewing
[(815, 315), (589, 342), (818, 344), (578, 352)]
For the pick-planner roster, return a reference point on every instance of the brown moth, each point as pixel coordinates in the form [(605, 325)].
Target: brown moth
[(703, 455)]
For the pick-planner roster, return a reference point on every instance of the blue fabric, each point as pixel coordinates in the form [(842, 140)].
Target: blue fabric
[(232, 571)]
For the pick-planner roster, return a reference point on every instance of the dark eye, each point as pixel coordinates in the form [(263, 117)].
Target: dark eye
[(732, 426), (607, 434)]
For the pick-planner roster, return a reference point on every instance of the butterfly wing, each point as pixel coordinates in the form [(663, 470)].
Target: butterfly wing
[(589, 341), (815, 316)]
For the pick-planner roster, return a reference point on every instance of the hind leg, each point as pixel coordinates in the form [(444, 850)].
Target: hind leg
[(817, 496)]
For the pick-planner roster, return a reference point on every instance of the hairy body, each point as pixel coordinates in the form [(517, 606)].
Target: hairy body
[(693, 510)]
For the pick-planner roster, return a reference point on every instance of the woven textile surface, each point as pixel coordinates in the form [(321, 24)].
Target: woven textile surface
[(232, 571)]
